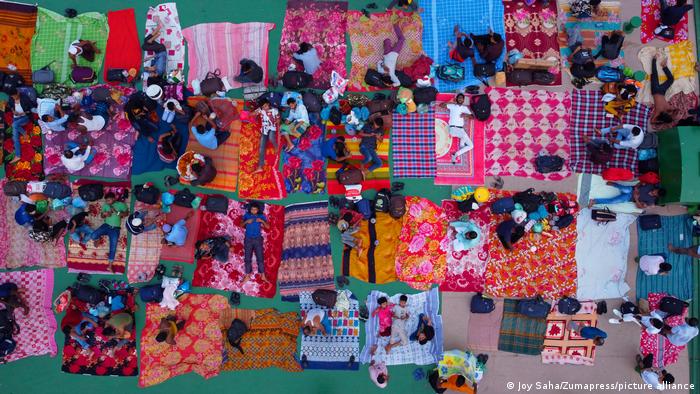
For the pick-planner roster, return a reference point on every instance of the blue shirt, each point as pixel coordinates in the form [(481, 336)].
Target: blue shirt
[(57, 124), (310, 60), (178, 234), (254, 229), (328, 149), (22, 217), (592, 333), (208, 139)]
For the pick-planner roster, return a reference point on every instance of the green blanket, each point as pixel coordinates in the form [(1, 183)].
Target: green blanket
[(55, 33), (519, 333)]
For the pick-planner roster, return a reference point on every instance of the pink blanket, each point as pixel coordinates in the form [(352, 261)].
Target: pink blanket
[(221, 46), (36, 329), (170, 36)]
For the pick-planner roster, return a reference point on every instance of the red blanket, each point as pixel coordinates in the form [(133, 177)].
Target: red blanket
[(265, 185), (665, 353), (123, 46), (651, 17)]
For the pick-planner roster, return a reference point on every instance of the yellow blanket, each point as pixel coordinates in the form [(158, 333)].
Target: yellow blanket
[(371, 261)]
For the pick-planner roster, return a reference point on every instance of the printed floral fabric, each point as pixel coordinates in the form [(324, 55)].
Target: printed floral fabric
[(465, 269), (304, 166), (651, 18), (420, 256), (265, 185), (537, 264), (228, 276), (198, 346), (665, 353), (29, 167), (322, 24)]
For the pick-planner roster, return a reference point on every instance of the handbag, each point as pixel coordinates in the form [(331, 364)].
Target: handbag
[(481, 304), (184, 198), (212, 83), (81, 74), (43, 75), (649, 222), (217, 203), (534, 307), (117, 75)]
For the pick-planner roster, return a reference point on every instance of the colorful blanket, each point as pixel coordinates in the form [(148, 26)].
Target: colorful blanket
[(221, 46), (536, 264), (307, 262), (199, 345), (170, 36), (665, 353), (271, 341), (225, 157), (601, 257), (29, 167), (112, 144), (228, 276), (465, 269), (523, 125), (676, 230), (587, 113), (483, 329), (106, 356), (592, 30), (564, 346), (377, 179), (373, 259), (532, 30), (185, 253), (144, 249), (36, 329), (413, 148), (266, 185), (322, 24), (651, 18), (303, 166), (367, 37), (681, 63), (332, 351), (519, 333), (420, 256), (428, 303), (147, 151), (93, 257), (472, 16), (55, 33), (17, 22), (17, 249), (123, 50), (469, 168)]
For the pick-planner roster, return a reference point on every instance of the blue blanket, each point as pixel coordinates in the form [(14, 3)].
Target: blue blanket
[(146, 157), (679, 282), (472, 16)]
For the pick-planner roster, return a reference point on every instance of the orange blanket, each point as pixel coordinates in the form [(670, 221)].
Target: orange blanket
[(265, 185), (17, 22)]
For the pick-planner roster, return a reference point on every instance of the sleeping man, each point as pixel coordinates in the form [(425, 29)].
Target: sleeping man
[(643, 195)]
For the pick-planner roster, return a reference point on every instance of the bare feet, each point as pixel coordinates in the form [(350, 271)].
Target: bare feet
[(259, 170), (245, 278), (591, 203), (263, 277), (671, 248), (15, 160)]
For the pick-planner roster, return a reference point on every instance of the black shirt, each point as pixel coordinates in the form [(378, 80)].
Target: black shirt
[(670, 16), (77, 220), (371, 142), (218, 249)]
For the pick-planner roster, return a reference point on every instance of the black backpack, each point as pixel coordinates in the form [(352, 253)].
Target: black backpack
[(350, 175), (57, 190), (650, 165), (424, 95), (8, 325), (88, 294), (397, 206), (603, 215), (151, 293), (543, 78), (628, 307), (673, 306), (481, 107), (404, 79), (600, 153), (325, 297), (481, 304), (14, 188), (528, 199), (610, 50), (534, 307), (147, 195), (335, 116), (296, 80), (382, 201), (11, 81), (184, 198), (312, 102), (564, 221), (235, 334), (649, 222), (548, 163), (568, 306), (7, 346), (374, 78), (217, 203), (91, 192)]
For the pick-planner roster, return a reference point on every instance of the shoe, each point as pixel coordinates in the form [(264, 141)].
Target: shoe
[(612, 320), (340, 280), (397, 186), (372, 6), (617, 313), (351, 362), (170, 180), (235, 298), (364, 313), (83, 278), (304, 362)]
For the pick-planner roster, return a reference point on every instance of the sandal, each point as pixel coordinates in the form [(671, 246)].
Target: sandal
[(235, 298)]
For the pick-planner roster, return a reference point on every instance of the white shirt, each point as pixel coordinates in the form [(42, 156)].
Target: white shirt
[(19, 111), (268, 120), (299, 114), (456, 112), (314, 313), (77, 162), (399, 311), (634, 140), (681, 335), (389, 61), (95, 124), (74, 48), (646, 322), (650, 264), (652, 378)]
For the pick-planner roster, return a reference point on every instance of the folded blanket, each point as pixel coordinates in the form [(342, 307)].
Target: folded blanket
[(171, 34), (681, 62), (199, 344), (519, 333), (17, 21), (36, 329), (123, 45), (144, 249), (427, 303), (211, 48), (55, 33)]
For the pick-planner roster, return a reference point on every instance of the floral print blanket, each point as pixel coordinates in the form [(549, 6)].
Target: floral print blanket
[(304, 167)]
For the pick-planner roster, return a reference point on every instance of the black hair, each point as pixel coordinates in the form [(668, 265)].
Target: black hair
[(680, 2), (663, 117), (636, 130), (68, 154), (381, 379), (162, 336), (256, 204), (429, 333), (110, 195), (40, 226), (66, 329), (661, 191), (665, 267), (45, 117), (595, 2), (668, 378), (109, 331), (458, 96), (460, 381), (379, 121), (599, 341), (306, 330), (693, 322), (13, 92), (88, 52), (339, 147), (197, 167), (171, 106), (386, 80), (471, 234), (31, 208), (381, 300), (246, 67), (656, 323), (201, 129), (589, 66), (263, 101), (304, 47), (291, 101), (403, 297)]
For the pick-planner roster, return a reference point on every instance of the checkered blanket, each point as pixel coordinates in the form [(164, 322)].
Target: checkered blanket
[(427, 302), (562, 345), (519, 333), (332, 351), (587, 113), (144, 249), (413, 148), (472, 16)]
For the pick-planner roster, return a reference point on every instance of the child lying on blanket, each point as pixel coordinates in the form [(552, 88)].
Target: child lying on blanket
[(425, 331), (84, 48), (254, 221), (385, 313), (168, 328), (316, 320), (400, 315), (387, 65), (642, 195), (156, 67)]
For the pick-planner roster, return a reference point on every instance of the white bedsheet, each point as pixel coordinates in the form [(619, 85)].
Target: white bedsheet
[(601, 256)]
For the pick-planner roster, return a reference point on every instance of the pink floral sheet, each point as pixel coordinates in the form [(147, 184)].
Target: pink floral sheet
[(113, 145), (420, 256), (665, 353), (321, 24), (465, 269), (37, 327)]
